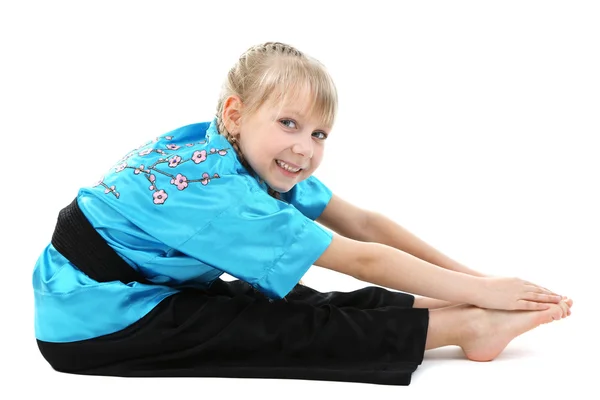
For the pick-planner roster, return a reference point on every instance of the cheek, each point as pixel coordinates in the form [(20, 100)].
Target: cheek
[(318, 156)]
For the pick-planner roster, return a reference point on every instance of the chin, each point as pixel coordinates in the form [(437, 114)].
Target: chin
[(283, 189)]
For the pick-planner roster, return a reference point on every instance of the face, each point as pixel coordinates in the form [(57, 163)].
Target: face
[(282, 143)]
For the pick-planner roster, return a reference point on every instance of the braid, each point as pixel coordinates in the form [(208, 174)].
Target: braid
[(277, 47)]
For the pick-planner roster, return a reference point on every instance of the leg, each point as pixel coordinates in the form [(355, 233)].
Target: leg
[(428, 302), (366, 298), (232, 331), (481, 333)]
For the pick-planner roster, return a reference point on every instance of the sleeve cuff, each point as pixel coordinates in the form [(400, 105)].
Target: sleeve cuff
[(310, 244)]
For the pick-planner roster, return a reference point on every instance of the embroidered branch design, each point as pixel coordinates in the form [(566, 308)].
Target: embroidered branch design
[(167, 161)]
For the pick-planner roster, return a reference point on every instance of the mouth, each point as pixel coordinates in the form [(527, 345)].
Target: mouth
[(288, 169)]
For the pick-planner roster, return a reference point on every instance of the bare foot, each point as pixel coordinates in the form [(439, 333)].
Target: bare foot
[(490, 331)]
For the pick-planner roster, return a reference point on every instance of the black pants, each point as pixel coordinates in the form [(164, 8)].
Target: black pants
[(371, 335)]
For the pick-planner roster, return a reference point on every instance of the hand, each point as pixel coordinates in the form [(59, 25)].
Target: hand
[(514, 294)]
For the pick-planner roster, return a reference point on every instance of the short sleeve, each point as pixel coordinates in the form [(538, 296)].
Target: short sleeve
[(310, 197), (266, 242)]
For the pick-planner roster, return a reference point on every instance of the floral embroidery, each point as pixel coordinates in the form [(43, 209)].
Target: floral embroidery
[(160, 196), (150, 172), (174, 161), (111, 190), (205, 179), (180, 181), (152, 178), (199, 156), (139, 170)]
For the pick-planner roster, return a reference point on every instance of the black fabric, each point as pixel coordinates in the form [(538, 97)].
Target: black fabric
[(76, 239), (370, 335)]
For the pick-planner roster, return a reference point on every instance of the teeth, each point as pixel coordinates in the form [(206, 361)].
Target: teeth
[(287, 167)]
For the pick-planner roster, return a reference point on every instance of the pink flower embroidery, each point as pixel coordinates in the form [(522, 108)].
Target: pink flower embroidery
[(152, 178), (205, 179), (112, 189), (216, 175), (222, 152), (189, 144), (139, 169), (168, 137), (160, 196), (120, 167), (213, 150), (159, 151), (180, 181), (199, 156), (174, 161), (172, 146), (145, 152)]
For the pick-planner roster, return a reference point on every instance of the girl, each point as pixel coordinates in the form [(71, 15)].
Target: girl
[(130, 286)]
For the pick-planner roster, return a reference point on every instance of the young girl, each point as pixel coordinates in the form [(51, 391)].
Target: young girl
[(129, 285)]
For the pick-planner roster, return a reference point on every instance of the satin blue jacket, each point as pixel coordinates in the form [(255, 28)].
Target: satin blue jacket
[(182, 210)]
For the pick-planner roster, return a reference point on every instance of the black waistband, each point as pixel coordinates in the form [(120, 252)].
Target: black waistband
[(76, 239)]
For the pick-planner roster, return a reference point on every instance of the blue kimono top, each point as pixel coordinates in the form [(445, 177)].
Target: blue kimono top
[(182, 210)]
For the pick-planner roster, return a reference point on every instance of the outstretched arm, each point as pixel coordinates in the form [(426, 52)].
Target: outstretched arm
[(395, 269), (356, 223), (381, 229)]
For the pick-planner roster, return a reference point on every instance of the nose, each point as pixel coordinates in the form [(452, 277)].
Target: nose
[(304, 146)]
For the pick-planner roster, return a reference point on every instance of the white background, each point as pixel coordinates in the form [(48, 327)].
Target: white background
[(473, 124)]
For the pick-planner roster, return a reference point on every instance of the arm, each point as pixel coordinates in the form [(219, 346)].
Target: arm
[(385, 266), (380, 229), (395, 269), (361, 225)]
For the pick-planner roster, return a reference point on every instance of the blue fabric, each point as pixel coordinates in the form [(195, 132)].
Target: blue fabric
[(182, 210)]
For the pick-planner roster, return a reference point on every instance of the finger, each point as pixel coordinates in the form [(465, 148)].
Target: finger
[(540, 289), (545, 290), (542, 298), (550, 291), (531, 305)]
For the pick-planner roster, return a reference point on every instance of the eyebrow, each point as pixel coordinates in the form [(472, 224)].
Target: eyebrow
[(301, 115), (295, 112)]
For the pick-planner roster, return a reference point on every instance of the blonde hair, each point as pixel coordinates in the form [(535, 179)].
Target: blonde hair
[(270, 72)]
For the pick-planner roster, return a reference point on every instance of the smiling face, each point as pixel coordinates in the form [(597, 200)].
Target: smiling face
[(283, 141)]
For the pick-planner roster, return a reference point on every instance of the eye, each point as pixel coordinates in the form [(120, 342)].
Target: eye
[(323, 135), (287, 122)]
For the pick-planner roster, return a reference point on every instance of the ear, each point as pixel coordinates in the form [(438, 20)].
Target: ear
[(232, 114)]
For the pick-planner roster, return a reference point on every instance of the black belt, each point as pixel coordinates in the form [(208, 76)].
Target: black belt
[(76, 239)]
